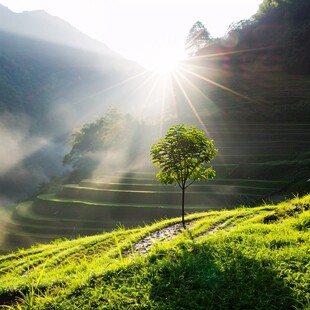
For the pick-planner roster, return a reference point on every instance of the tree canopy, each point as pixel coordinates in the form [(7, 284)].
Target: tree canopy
[(197, 38), (107, 132), (182, 157), (297, 11)]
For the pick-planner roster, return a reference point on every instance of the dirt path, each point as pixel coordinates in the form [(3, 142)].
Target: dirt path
[(143, 246), (166, 234)]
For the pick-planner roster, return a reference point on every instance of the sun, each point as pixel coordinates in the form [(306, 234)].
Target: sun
[(167, 60)]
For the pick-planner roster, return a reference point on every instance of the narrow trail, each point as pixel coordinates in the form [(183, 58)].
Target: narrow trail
[(143, 246), (215, 227)]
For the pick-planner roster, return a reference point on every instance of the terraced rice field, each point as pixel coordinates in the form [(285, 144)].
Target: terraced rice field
[(223, 260), (255, 162)]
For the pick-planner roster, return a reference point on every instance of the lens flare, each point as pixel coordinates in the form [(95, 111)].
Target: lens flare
[(167, 61)]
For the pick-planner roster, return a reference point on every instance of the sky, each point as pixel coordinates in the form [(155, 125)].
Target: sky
[(145, 31)]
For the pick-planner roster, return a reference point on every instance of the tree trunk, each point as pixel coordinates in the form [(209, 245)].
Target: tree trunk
[(183, 198)]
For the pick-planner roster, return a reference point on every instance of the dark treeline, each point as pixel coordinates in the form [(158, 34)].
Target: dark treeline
[(265, 61)]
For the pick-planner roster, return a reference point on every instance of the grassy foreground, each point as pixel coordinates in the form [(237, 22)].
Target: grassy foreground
[(229, 259)]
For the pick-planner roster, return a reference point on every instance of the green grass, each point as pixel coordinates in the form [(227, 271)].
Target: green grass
[(226, 259), (74, 202), (266, 158), (209, 190)]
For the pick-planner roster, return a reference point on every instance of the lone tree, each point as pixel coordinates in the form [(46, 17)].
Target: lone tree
[(182, 157)]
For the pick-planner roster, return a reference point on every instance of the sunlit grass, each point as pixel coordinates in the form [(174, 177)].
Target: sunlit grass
[(227, 257)]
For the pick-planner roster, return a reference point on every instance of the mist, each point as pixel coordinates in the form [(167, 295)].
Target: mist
[(26, 159)]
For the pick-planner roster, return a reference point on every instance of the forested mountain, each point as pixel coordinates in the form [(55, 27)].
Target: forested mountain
[(262, 64), (41, 26), (38, 77), (49, 84), (40, 68)]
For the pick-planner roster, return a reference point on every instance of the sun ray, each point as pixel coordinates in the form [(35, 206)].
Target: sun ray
[(197, 89), (220, 86), (227, 53), (262, 103), (149, 93), (145, 82), (121, 83), (191, 104), (106, 90), (150, 79), (163, 99)]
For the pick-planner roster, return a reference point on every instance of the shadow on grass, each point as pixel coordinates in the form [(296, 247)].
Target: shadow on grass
[(191, 276), (195, 278)]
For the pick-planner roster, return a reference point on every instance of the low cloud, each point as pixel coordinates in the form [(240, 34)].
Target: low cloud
[(17, 142), (26, 160)]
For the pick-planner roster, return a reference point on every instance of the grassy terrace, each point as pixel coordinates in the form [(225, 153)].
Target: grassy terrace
[(83, 212), (255, 162), (224, 259)]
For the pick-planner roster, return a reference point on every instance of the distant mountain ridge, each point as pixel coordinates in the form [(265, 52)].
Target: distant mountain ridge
[(53, 78), (43, 26), (44, 60)]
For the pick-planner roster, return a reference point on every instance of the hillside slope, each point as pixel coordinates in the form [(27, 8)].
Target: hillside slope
[(52, 78), (260, 69), (256, 162), (42, 26), (246, 258)]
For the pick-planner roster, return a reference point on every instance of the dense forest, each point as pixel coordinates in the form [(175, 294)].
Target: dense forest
[(264, 61)]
